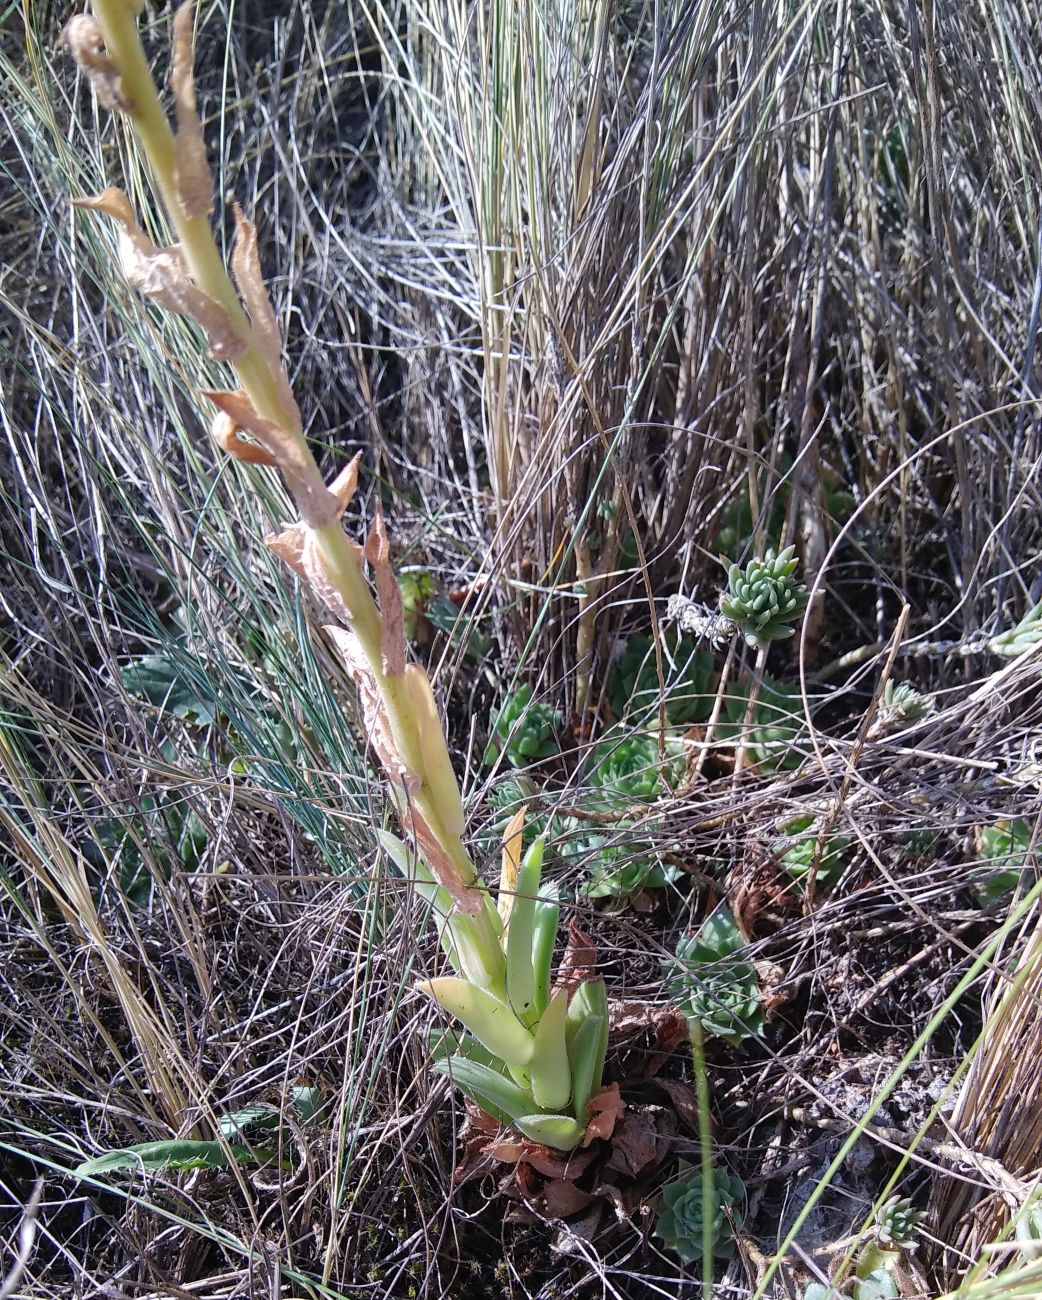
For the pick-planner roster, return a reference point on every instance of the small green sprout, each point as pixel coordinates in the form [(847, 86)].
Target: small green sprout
[(901, 706), (523, 729), (798, 848), (417, 588), (762, 599), (898, 1223), (680, 1224), (710, 984), (1004, 847)]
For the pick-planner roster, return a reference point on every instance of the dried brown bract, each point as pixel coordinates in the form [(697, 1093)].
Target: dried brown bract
[(83, 37)]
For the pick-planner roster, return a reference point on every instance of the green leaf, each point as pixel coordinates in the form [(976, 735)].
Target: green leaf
[(176, 1154), (494, 1092), (161, 682)]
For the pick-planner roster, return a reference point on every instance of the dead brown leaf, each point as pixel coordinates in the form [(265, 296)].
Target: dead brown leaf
[(392, 635), (579, 963), (191, 169), (83, 37), (604, 1111), (635, 1142), (266, 333)]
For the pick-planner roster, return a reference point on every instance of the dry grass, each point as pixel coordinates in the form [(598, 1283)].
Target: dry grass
[(538, 260)]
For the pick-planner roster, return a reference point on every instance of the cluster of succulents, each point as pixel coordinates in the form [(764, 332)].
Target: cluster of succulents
[(681, 1224), (772, 738), (689, 677), (626, 767), (762, 599), (1003, 848), (524, 729), (800, 846), (712, 985)]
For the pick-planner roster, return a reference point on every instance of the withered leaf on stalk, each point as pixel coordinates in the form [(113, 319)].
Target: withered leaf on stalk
[(377, 725), (295, 546), (191, 170), (344, 485), (579, 963), (318, 506), (247, 271), (392, 634), (83, 36), (160, 273), (443, 869)]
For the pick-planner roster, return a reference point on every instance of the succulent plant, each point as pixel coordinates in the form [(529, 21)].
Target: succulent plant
[(901, 706), (797, 849), (920, 843), (688, 675), (762, 599), (625, 767), (710, 984), (523, 729), (1023, 636), (615, 866), (898, 1222), (680, 1224), (776, 725), (1004, 847)]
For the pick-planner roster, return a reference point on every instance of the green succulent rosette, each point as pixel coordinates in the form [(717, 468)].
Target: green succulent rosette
[(711, 984), (798, 847), (681, 1224), (763, 599), (689, 679), (523, 729), (625, 767)]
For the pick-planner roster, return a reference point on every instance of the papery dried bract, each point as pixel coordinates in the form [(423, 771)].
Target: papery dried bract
[(160, 273), (83, 36), (392, 634), (266, 333), (318, 506), (191, 169)]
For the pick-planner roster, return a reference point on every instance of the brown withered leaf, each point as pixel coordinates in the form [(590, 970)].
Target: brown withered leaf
[(378, 727), (604, 1111), (579, 963), (295, 546), (344, 485), (226, 433), (318, 506), (636, 1142), (392, 634), (683, 1098), (443, 869), (160, 273), (191, 169), (83, 37), (560, 1199), (247, 271)]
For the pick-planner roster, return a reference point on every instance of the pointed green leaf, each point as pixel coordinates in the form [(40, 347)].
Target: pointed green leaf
[(587, 1062), (520, 935), (489, 1020), (544, 934), (177, 1154), (494, 1092), (551, 1077), (558, 1131)]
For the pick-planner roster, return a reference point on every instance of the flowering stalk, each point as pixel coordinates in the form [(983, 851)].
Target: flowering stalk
[(532, 1056)]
